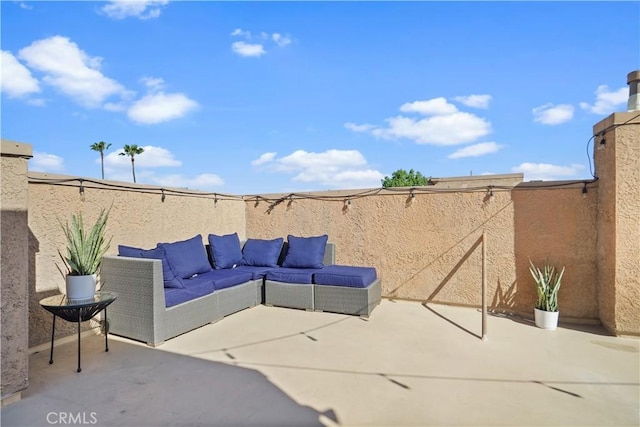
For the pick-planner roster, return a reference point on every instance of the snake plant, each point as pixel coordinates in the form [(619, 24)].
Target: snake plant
[(548, 282), (85, 248)]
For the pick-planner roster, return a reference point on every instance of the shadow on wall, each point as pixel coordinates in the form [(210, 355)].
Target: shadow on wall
[(505, 299), (40, 320), (136, 385)]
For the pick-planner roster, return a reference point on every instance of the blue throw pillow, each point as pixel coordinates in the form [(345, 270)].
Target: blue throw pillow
[(187, 257), (305, 252), (129, 251), (262, 253), (170, 279), (225, 250)]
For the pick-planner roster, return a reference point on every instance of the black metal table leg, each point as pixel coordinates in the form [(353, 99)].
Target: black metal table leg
[(106, 330), (79, 320), (53, 333), (78, 311)]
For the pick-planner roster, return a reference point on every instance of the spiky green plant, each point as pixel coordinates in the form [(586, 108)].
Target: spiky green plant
[(548, 282), (85, 249)]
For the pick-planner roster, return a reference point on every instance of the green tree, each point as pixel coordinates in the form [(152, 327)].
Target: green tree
[(101, 147), (402, 178), (132, 151)]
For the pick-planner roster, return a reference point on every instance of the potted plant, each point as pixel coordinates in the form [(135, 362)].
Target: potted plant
[(548, 281), (85, 249)]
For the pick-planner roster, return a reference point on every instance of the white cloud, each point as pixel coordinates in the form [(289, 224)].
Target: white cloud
[(151, 157), (25, 6), (452, 129), (239, 32), (36, 102), (70, 70), (359, 128), (332, 168), (444, 126), (257, 49), (120, 9), (607, 101), (248, 49), (16, 79), (118, 168), (435, 106), (330, 159), (549, 114), (281, 40), (205, 181), (45, 162), (546, 171), (160, 107), (265, 158), (476, 150), (116, 107), (475, 101), (153, 84)]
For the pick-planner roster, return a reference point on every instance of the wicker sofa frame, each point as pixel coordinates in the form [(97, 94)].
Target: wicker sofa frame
[(140, 312), (341, 299), (295, 295)]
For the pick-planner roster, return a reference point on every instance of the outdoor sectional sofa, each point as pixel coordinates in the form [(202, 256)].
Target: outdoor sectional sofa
[(180, 286)]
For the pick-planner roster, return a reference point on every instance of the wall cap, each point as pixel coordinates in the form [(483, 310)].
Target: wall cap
[(16, 149)]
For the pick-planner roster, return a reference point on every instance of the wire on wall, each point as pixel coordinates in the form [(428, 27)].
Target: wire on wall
[(345, 199)]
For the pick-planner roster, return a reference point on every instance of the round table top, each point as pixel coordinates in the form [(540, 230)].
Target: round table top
[(61, 301)]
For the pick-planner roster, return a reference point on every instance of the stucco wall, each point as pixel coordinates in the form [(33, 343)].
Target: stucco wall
[(618, 169), (14, 272), (424, 249), (138, 218), (558, 224), (427, 248)]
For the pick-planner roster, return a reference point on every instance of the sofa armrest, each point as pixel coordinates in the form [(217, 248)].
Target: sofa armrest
[(329, 254), (138, 312)]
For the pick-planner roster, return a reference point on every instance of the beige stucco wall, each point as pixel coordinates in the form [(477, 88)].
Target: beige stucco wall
[(558, 224), (14, 272), (138, 217), (424, 250), (618, 230), (428, 248)]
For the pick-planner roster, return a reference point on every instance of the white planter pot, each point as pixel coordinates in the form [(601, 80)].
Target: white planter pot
[(546, 319), (81, 287)]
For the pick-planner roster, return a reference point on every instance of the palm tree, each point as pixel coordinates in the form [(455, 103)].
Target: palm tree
[(101, 147), (132, 150)]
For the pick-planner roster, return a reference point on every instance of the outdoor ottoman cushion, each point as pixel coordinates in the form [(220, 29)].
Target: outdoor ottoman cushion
[(345, 275)]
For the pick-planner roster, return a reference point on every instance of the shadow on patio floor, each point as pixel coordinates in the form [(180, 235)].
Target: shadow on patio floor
[(133, 385)]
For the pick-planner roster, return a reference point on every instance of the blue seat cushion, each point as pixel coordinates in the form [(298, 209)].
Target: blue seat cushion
[(170, 280), (292, 275), (187, 257), (344, 275), (226, 278), (194, 290), (199, 285), (225, 250), (305, 252), (173, 296), (257, 272), (262, 253)]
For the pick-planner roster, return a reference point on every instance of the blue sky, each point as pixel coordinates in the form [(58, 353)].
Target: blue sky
[(257, 97)]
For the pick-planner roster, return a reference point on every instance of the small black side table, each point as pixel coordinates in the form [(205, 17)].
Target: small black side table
[(78, 311)]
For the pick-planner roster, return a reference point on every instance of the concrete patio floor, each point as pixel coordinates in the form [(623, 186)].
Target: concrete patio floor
[(409, 364)]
